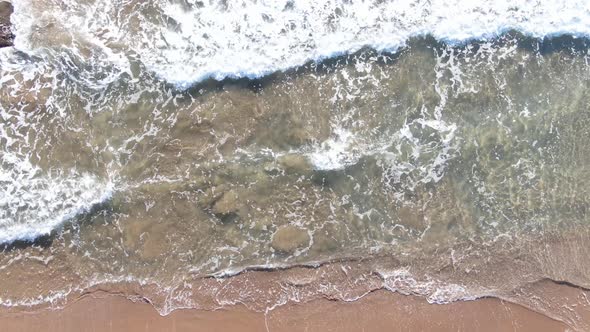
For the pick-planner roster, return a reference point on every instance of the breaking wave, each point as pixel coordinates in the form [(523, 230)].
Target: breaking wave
[(188, 41)]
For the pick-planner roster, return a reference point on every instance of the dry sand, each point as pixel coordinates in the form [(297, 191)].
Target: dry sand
[(378, 311)]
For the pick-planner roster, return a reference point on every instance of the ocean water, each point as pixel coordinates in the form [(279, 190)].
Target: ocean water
[(436, 148)]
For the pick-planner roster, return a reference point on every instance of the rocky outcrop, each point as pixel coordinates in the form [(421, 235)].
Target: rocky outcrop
[(6, 36)]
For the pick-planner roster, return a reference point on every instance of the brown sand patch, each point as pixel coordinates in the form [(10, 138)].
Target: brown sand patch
[(378, 311)]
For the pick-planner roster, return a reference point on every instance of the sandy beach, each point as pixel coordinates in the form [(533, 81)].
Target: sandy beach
[(378, 311)]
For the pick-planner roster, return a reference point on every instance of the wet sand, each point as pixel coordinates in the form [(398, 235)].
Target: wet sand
[(377, 311)]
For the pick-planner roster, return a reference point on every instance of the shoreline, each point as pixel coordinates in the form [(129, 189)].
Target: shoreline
[(377, 311), (548, 282)]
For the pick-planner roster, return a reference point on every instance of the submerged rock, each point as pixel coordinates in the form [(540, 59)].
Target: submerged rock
[(6, 36), (295, 163), (227, 204), (262, 224), (289, 238)]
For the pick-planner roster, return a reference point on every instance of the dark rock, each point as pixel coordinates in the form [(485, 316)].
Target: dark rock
[(6, 35)]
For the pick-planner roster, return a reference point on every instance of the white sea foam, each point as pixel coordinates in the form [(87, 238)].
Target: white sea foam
[(35, 201), (433, 137), (402, 281), (337, 152), (186, 41), (33, 204)]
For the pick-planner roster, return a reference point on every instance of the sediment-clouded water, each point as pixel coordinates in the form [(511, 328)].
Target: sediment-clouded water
[(165, 142)]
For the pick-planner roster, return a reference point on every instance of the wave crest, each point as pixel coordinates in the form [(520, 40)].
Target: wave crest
[(184, 42)]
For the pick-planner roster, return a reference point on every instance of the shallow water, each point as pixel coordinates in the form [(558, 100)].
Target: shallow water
[(434, 167)]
